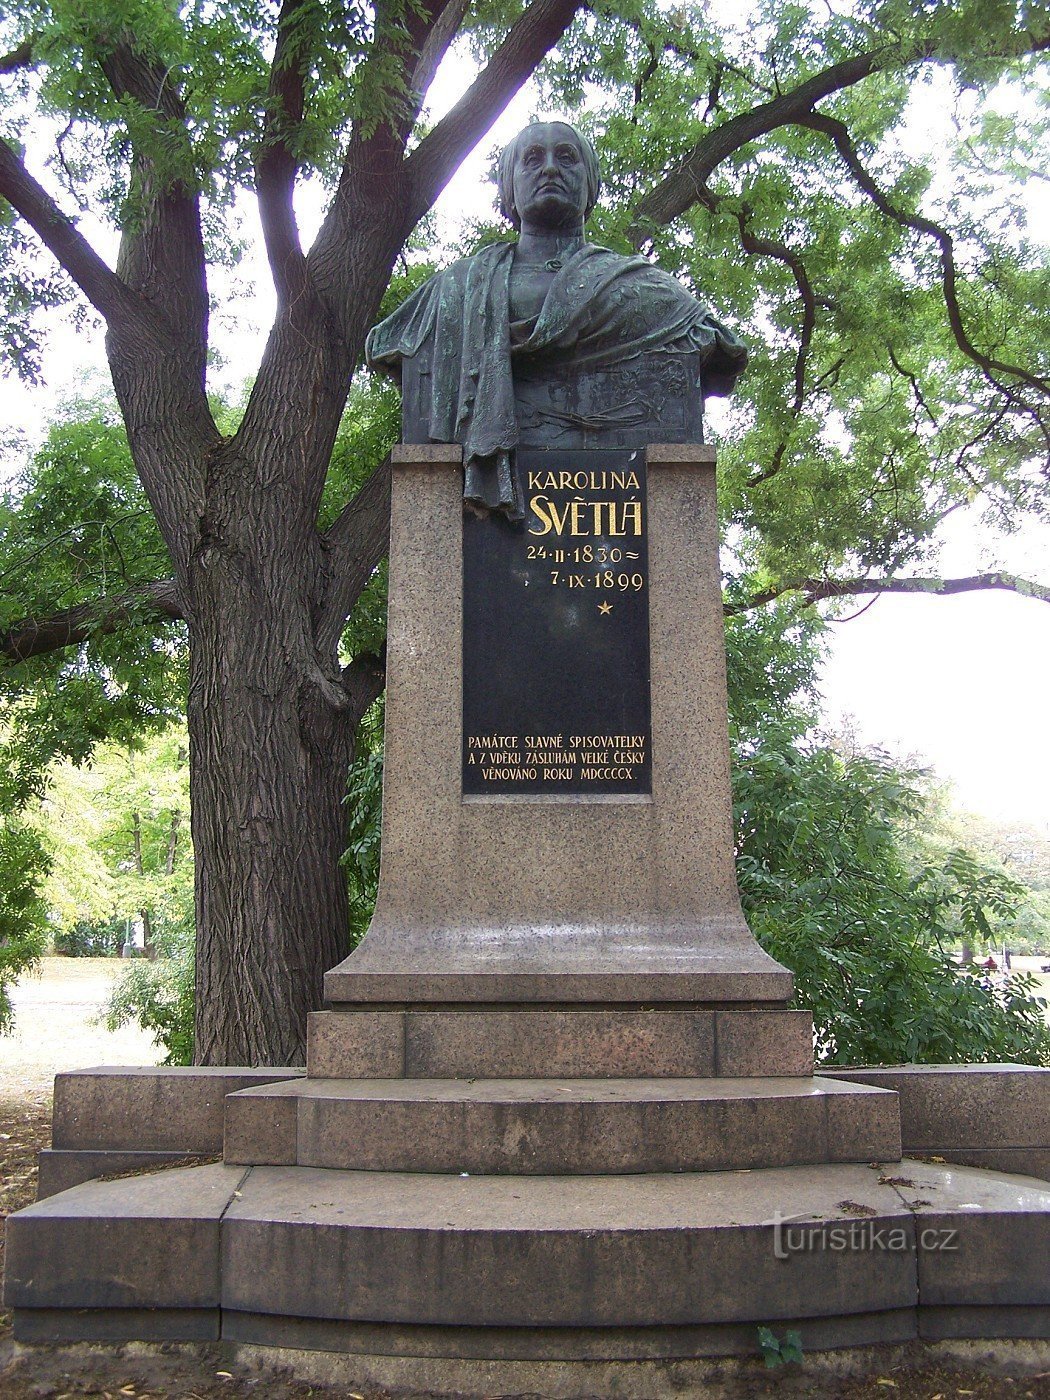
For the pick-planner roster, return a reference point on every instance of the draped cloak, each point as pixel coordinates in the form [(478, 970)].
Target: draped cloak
[(600, 310)]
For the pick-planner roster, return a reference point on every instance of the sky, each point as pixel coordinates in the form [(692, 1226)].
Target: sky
[(959, 683)]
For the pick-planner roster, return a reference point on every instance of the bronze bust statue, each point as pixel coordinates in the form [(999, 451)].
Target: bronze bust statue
[(544, 340)]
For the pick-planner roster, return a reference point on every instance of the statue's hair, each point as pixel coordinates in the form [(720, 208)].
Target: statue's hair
[(509, 154)]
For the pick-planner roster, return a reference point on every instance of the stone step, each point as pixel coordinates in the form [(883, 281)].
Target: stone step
[(149, 1108), (849, 1246), (576, 1043), (58, 1170), (560, 1126)]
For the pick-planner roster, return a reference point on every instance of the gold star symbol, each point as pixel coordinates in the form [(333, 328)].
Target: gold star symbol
[(605, 609)]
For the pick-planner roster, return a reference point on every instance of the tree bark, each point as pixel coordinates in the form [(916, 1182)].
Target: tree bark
[(267, 780), (271, 736), (271, 725)]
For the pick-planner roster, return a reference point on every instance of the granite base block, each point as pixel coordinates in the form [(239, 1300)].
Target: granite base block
[(981, 1321), (1019, 1161), (558, 1343), (630, 1271), (141, 1242), (149, 1108), (55, 1325), (58, 1170), (547, 1127), (625, 1251), (584, 1042), (948, 1109)]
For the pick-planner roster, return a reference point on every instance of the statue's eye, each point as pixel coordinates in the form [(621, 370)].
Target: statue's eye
[(531, 156), (567, 155)]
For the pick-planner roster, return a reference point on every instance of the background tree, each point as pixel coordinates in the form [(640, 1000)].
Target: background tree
[(74, 525), (23, 912), (117, 831), (900, 329)]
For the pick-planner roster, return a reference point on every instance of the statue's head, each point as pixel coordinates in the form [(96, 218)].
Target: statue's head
[(549, 172)]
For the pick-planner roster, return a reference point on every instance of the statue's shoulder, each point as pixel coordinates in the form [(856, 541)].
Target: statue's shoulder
[(405, 331), (488, 257), (450, 286), (630, 263)]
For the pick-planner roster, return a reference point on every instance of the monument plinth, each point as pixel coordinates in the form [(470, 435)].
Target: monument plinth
[(580, 848)]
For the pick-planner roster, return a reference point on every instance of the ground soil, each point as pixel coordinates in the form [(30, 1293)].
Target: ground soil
[(202, 1373)]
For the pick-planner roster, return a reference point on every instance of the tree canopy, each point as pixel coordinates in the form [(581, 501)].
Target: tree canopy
[(894, 300)]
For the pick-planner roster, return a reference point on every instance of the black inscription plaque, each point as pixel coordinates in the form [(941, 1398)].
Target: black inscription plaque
[(556, 631)]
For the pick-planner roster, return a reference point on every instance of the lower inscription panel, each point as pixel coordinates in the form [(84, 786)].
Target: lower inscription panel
[(556, 632)]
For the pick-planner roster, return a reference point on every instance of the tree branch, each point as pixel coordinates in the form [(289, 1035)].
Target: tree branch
[(21, 56), (37, 636), (912, 379), (819, 590), (686, 183), (417, 37), (363, 681), (843, 143), (371, 203), (767, 247), (647, 70), (681, 188), (162, 251), (434, 161), (99, 283), (162, 258), (435, 46), (355, 542), (759, 246), (276, 167)]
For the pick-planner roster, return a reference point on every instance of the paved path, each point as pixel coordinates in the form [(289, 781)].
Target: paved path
[(57, 1026)]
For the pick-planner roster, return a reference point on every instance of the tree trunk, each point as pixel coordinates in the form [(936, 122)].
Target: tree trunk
[(173, 835), (147, 925), (267, 779), (268, 831), (271, 736)]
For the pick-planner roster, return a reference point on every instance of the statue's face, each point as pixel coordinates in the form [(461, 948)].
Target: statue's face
[(550, 178)]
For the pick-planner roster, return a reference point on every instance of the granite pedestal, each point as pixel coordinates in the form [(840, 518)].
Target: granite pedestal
[(584, 899)]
